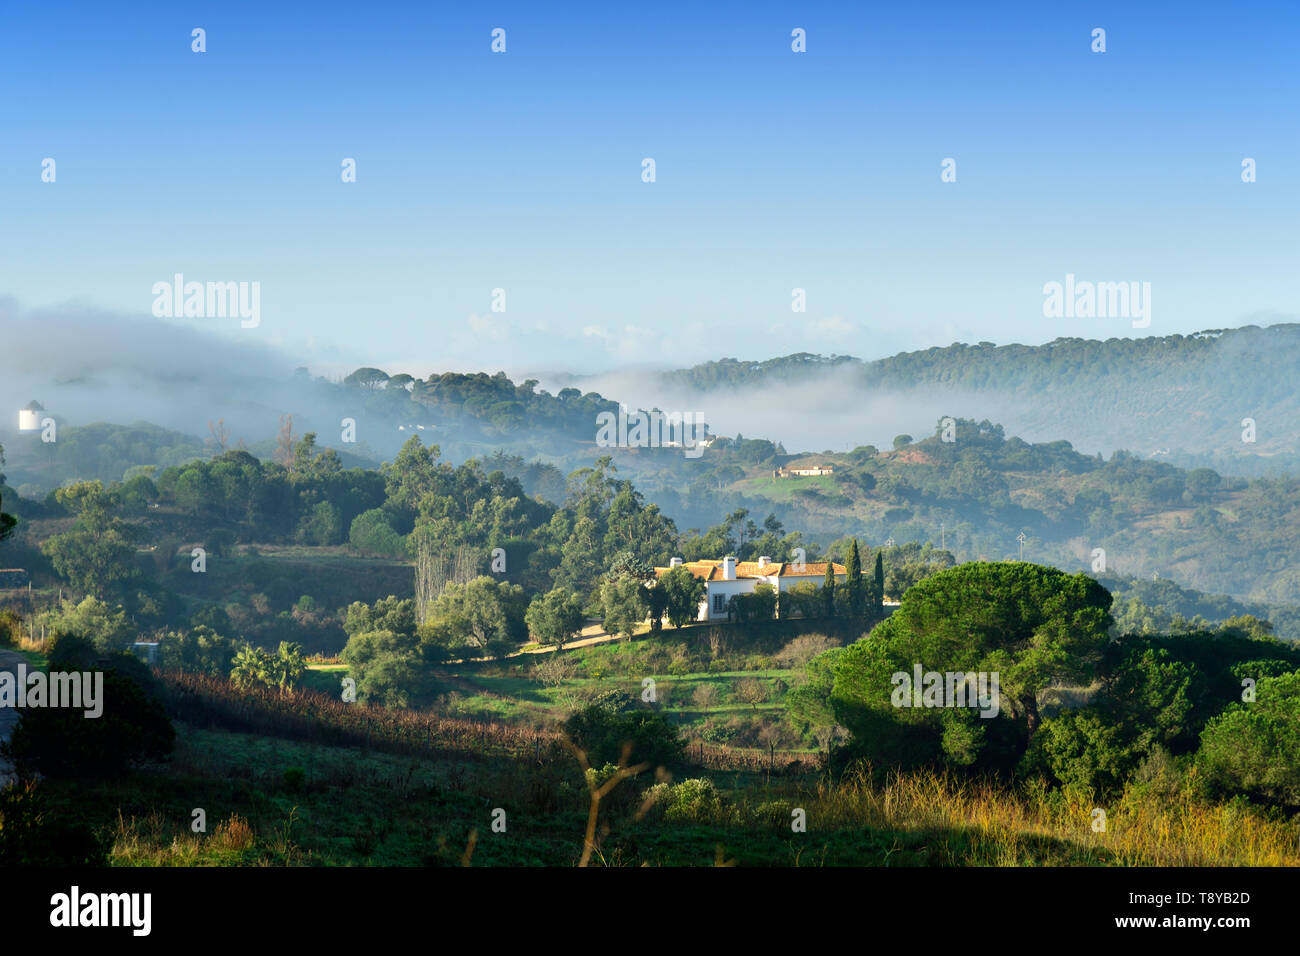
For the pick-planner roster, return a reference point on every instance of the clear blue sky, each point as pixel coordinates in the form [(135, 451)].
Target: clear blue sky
[(774, 170)]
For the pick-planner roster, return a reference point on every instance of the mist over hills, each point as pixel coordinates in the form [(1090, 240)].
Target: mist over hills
[(1181, 398), (1041, 426)]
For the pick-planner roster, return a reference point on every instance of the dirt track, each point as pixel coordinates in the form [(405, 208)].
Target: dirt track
[(9, 661)]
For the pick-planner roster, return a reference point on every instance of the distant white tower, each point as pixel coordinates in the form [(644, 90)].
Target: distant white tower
[(29, 420)]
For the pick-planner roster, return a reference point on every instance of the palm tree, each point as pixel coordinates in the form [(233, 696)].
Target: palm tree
[(287, 666), (250, 667)]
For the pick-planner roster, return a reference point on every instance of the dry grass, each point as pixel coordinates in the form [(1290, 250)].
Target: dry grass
[(156, 840), (233, 834), (151, 840), (37, 646), (929, 818), (1141, 829)]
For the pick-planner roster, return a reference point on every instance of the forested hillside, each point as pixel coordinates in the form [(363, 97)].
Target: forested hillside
[(976, 495), (1181, 397)]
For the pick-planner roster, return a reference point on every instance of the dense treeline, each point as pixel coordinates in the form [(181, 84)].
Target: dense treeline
[(130, 547), (1220, 534), (985, 365), (493, 402), (1215, 532), (562, 533)]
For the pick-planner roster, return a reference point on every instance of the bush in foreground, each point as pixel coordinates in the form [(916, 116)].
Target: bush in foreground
[(63, 742), (614, 721)]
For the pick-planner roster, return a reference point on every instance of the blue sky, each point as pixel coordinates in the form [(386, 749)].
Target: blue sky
[(775, 170)]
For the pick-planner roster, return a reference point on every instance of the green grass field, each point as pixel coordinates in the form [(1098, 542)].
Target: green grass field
[(511, 691), (276, 802), (283, 798), (783, 489)]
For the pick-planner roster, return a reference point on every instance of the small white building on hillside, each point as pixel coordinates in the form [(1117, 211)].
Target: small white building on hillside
[(804, 471), (729, 577)]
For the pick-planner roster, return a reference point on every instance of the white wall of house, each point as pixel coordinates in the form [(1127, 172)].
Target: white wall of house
[(719, 591), (711, 611), (724, 590)]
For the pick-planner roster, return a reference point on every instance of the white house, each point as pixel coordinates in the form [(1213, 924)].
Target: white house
[(804, 471), (728, 577)]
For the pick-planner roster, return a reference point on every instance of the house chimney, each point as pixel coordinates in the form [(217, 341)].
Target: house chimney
[(763, 560), (675, 563), (728, 568)]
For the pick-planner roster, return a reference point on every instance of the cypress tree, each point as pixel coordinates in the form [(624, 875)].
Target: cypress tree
[(854, 585), (828, 591), (880, 584)]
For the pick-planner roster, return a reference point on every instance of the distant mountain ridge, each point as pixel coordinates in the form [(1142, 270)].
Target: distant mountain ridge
[(1183, 397)]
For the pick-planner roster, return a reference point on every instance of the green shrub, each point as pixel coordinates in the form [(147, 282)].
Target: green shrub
[(10, 628), (32, 836), (622, 800), (691, 801), (771, 813), (219, 543), (612, 721), (1254, 748), (1165, 778), (720, 733), (63, 742), (1083, 750), (371, 533)]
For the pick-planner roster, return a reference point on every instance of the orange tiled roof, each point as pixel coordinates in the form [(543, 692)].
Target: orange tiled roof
[(711, 570), (704, 570), (817, 568)]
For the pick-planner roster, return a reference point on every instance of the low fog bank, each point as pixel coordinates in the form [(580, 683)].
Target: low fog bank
[(1184, 399), (86, 365), (832, 413)]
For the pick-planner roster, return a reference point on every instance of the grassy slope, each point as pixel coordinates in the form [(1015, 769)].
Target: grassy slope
[(357, 808)]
